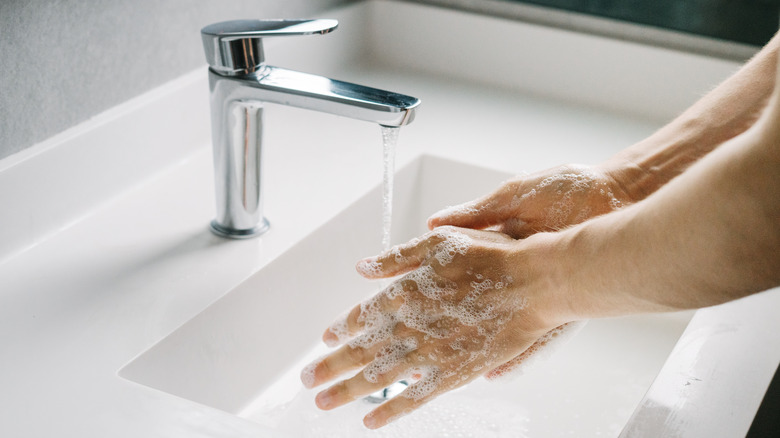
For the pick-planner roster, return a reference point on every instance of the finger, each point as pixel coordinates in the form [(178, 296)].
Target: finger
[(519, 229), (481, 213), (360, 385), (478, 214), (343, 329), (403, 258), (514, 365), (343, 360), (372, 313), (396, 261), (395, 408)]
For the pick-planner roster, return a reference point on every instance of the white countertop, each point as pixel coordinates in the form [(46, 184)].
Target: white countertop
[(88, 297)]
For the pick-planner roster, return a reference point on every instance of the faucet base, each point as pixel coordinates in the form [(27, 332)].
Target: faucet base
[(231, 233)]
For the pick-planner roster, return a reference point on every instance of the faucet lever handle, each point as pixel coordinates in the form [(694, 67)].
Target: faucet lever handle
[(236, 46)]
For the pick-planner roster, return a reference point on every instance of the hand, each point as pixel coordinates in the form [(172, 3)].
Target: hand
[(544, 201), (467, 305), (549, 200)]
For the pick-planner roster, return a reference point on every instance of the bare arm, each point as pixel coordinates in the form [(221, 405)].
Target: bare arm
[(471, 301), (710, 236), (722, 114), (529, 204)]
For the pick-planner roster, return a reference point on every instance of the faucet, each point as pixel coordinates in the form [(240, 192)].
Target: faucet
[(241, 82)]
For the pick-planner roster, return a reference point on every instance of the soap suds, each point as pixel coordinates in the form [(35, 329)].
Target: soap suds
[(369, 268), (388, 358), (467, 319), (454, 243), (307, 374), (340, 330), (570, 182), (430, 379)]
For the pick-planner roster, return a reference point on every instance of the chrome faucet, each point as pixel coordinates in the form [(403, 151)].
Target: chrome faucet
[(240, 82)]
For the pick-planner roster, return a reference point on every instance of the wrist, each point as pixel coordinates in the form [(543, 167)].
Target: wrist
[(634, 180), (540, 263), (648, 165), (583, 272)]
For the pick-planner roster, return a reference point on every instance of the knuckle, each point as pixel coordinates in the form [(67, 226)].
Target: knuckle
[(415, 358), (353, 320), (405, 285), (509, 188), (402, 331), (326, 367), (385, 379), (342, 390), (355, 354)]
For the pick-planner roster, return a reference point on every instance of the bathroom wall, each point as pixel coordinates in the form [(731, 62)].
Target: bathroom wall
[(64, 61), (566, 15)]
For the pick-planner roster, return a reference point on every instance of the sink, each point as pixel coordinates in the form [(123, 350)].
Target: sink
[(243, 354)]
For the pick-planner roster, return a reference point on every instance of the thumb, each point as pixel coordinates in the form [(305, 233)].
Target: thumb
[(478, 214)]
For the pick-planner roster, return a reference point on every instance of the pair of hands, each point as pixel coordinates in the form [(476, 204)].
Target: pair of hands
[(468, 301)]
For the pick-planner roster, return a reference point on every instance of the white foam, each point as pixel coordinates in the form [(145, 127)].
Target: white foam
[(570, 182), (457, 210), (307, 374), (429, 382), (397, 256), (430, 284), (468, 319), (369, 268), (340, 330), (454, 243), (388, 358)]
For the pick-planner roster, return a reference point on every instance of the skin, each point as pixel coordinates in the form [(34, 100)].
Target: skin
[(698, 225), (638, 171)]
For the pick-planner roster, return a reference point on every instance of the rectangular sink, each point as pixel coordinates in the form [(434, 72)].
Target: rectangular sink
[(243, 354)]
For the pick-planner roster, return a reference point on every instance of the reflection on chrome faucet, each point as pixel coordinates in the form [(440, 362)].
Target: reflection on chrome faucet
[(240, 81)]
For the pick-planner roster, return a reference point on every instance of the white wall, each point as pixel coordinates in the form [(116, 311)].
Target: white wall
[(63, 61)]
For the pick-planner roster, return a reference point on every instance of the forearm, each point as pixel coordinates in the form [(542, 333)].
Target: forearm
[(709, 236), (722, 114)]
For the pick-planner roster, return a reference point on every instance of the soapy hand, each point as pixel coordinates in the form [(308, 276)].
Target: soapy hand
[(463, 308), (549, 200)]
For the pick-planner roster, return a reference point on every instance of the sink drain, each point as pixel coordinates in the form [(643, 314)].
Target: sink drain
[(385, 394)]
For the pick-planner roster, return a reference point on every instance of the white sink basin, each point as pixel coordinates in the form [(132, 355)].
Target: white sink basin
[(244, 353)]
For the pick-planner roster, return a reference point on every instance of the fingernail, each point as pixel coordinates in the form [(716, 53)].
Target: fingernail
[(324, 400), (370, 421), (330, 339), (369, 267)]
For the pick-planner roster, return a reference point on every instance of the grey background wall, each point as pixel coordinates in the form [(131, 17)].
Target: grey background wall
[(64, 61)]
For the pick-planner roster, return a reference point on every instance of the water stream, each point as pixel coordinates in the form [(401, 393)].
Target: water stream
[(389, 141)]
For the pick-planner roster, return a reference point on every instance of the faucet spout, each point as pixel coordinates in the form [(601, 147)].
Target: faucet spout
[(241, 83), (302, 90)]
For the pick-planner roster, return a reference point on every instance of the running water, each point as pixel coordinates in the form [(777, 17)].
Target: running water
[(389, 140)]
